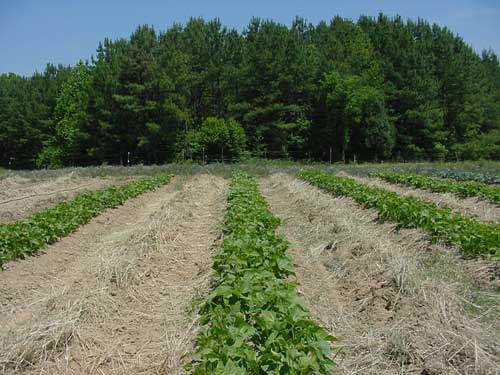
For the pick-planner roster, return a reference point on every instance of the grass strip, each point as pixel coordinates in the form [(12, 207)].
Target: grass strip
[(253, 321), (472, 236), (444, 185), (27, 236)]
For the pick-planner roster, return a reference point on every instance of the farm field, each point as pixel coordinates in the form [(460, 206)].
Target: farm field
[(469, 206), (21, 196), (170, 281)]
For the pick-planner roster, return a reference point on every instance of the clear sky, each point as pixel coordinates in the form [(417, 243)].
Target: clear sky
[(33, 33)]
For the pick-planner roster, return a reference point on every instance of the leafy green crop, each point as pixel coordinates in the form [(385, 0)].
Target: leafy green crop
[(444, 185), (486, 178), (27, 236), (254, 321), (472, 236)]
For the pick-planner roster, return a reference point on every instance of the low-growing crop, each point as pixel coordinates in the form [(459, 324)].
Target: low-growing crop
[(444, 185), (485, 178), (254, 321), (472, 236), (29, 235)]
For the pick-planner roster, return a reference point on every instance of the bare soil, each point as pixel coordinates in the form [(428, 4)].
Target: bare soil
[(21, 197), (120, 295), (397, 304), (482, 210)]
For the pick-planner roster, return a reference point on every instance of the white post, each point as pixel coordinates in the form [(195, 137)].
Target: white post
[(330, 154)]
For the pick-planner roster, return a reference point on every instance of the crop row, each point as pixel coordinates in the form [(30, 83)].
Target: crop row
[(254, 321), (444, 185), (472, 236), (45, 227), (486, 178)]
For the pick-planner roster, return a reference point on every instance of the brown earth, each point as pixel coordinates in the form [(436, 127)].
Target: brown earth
[(485, 211), (397, 304), (120, 295), (21, 197)]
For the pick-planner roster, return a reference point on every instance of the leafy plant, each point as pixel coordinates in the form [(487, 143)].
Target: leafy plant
[(254, 321), (472, 236), (30, 235), (444, 185), (485, 178), (217, 135)]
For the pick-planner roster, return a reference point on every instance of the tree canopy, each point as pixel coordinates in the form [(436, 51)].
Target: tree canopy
[(217, 139), (376, 89)]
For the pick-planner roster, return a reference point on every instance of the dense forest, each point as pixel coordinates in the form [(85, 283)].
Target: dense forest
[(377, 89)]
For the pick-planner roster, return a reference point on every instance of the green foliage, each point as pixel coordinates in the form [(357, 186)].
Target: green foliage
[(70, 113), (379, 88), (480, 146), (27, 236), (273, 86), (444, 185), (254, 322), (27, 114), (439, 152), (216, 136), (472, 236), (358, 112), (485, 178), (50, 157)]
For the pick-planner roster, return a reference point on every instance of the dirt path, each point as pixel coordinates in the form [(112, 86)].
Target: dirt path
[(484, 211), (126, 306), (20, 197), (397, 304)]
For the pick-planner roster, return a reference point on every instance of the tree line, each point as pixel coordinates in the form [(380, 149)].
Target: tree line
[(380, 88)]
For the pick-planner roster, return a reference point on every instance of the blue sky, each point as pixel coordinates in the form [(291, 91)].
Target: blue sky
[(33, 33)]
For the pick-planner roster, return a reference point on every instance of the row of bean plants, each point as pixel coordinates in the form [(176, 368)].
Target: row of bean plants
[(45, 227), (472, 236), (444, 185), (253, 321)]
